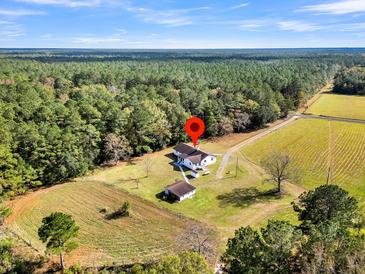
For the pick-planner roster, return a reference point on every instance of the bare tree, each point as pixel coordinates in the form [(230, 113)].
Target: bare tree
[(241, 120), (116, 148), (147, 163), (199, 239), (280, 167), (225, 126)]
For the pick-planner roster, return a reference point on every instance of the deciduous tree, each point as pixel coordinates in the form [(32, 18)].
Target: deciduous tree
[(199, 239), (147, 164), (280, 168), (116, 148)]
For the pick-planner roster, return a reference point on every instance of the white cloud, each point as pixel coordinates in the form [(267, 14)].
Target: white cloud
[(46, 36), (66, 3), (172, 18), (120, 31), (89, 41), (138, 43), (11, 29), (252, 25), (337, 8), (351, 27), (8, 12), (357, 26), (298, 26), (12, 33), (111, 41), (239, 6)]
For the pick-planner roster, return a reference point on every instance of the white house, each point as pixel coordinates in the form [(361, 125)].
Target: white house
[(193, 158), (180, 190)]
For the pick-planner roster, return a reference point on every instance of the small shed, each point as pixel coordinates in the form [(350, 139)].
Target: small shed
[(181, 190)]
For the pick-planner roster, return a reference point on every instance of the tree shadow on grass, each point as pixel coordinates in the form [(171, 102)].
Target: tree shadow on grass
[(165, 198), (244, 197), (129, 179)]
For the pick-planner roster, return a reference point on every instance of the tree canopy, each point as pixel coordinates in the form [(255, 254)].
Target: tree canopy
[(327, 203), (61, 119), (350, 81), (57, 231), (184, 263), (326, 241)]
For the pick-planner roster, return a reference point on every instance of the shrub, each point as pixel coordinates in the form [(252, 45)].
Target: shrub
[(121, 212)]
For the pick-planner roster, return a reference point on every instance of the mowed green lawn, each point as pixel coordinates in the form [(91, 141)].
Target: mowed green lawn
[(314, 145), (227, 204), (147, 234), (346, 106)]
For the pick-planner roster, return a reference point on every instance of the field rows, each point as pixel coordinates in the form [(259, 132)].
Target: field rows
[(124, 240), (227, 204), (317, 145)]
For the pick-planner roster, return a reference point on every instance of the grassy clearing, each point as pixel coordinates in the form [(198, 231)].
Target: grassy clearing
[(227, 204), (344, 106), (316, 145), (147, 234)]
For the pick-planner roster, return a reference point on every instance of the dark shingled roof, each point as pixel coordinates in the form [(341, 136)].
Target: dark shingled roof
[(180, 188), (191, 153), (184, 148)]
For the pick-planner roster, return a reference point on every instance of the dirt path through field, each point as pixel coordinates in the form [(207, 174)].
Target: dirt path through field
[(238, 147), (331, 118), (299, 115)]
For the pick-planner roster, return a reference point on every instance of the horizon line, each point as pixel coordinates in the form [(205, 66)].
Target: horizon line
[(233, 48)]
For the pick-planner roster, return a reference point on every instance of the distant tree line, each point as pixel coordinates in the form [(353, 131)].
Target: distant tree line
[(350, 81), (352, 56), (59, 120)]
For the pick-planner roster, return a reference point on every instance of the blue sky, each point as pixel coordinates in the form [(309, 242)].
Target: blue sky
[(182, 24)]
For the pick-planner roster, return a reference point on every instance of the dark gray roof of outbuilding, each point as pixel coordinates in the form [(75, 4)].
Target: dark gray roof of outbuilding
[(180, 188)]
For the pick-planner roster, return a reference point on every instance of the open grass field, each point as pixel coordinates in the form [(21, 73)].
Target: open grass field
[(147, 234), (227, 203), (344, 106), (316, 145), (236, 200)]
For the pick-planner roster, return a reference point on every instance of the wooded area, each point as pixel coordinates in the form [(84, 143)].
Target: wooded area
[(350, 81), (61, 119)]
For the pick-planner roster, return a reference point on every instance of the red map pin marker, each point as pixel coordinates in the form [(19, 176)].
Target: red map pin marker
[(194, 127)]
